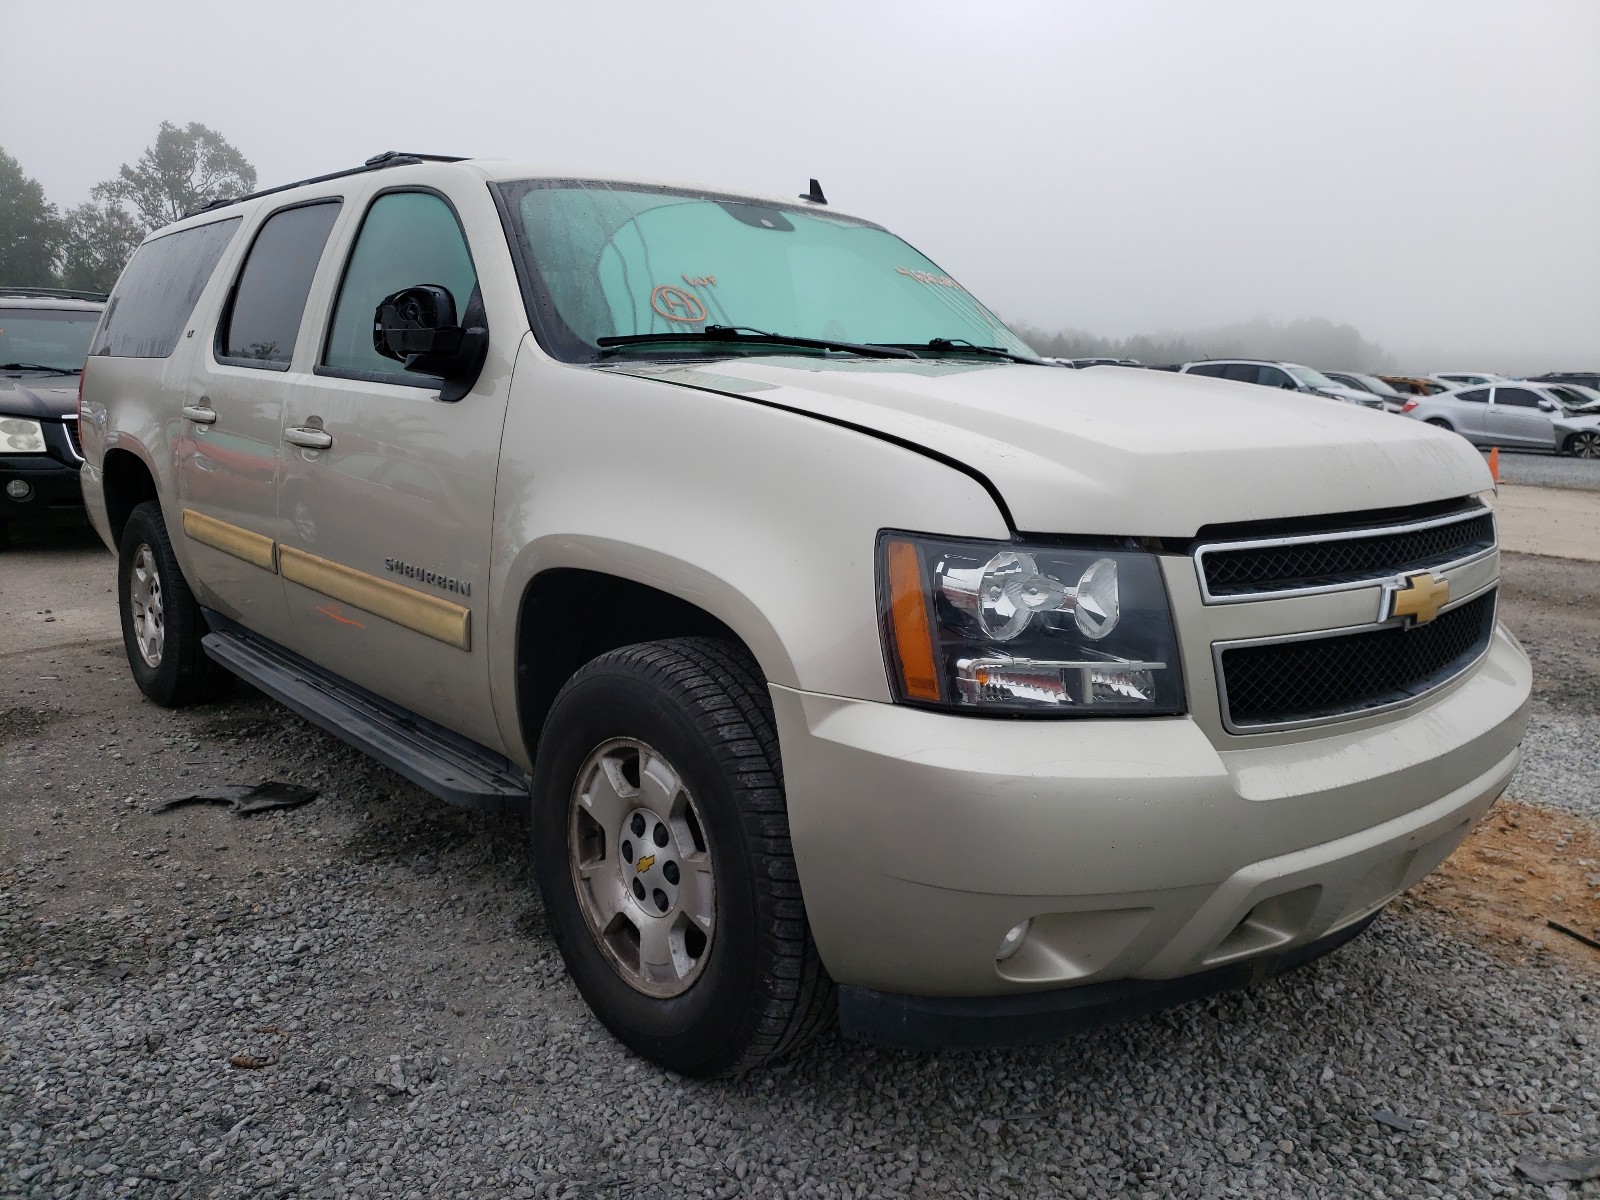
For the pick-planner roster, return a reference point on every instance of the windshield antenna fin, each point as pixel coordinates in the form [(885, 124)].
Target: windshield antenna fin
[(815, 194)]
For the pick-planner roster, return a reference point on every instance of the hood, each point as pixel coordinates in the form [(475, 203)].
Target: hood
[(49, 397), (1355, 395), (1118, 450)]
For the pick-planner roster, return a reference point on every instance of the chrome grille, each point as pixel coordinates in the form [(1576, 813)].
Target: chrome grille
[(1263, 567), (1292, 681)]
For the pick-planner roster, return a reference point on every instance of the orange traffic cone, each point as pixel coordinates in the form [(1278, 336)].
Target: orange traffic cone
[(1494, 464)]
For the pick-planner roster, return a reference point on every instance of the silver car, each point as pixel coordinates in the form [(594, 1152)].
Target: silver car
[(1517, 416)]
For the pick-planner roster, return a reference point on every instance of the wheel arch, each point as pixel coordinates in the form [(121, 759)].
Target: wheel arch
[(126, 481), (569, 615)]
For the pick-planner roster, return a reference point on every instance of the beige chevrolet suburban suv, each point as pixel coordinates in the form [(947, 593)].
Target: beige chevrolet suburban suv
[(845, 655)]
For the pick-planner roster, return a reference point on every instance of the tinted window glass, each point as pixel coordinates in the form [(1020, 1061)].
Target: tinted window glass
[(1475, 395), (1243, 372), (1517, 397), (407, 239), (158, 290), (1214, 369), (1273, 377), (270, 298)]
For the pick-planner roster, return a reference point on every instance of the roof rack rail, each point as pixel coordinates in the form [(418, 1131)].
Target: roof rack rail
[(53, 293), (389, 158)]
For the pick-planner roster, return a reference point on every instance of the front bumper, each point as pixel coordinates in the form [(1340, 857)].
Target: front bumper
[(987, 1022), (54, 490), (1137, 848)]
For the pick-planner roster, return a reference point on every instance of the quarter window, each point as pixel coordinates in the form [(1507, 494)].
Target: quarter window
[(407, 239), (263, 316), (1474, 395), (158, 290)]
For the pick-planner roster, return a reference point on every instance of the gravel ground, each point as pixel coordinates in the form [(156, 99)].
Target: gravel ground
[(1553, 606), (1547, 470), (383, 957)]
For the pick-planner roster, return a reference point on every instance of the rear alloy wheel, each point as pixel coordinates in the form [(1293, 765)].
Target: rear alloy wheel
[(1584, 445), (661, 847), (161, 620)]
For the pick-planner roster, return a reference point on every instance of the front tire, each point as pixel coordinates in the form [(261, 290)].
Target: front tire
[(661, 847), (1584, 445), (161, 621)]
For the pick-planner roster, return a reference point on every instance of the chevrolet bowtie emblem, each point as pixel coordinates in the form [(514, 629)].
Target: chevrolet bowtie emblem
[(645, 863), (1416, 597)]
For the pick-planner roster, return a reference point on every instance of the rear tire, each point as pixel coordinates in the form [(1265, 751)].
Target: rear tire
[(1440, 423), (664, 757), (161, 621)]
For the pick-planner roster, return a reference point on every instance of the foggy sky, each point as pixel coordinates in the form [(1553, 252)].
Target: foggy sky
[(1428, 172)]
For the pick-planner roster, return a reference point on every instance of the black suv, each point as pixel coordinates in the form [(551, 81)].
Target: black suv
[(44, 336)]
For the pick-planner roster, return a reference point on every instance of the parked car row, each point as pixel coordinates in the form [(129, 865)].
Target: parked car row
[(1522, 415)]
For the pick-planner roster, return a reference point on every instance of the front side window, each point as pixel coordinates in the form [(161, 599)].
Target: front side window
[(55, 339), (1273, 377), (1516, 397), (158, 290), (262, 320), (609, 260), (407, 239)]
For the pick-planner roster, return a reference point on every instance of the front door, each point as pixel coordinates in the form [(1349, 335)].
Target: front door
[(228, 450), (387, 497), (1515, 419)]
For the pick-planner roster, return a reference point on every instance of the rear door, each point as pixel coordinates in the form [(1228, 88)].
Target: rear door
[(228, 453), (384, 530), (1515, 419)]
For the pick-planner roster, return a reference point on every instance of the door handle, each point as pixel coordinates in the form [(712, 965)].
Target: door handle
[(308, 437), (200, 414)]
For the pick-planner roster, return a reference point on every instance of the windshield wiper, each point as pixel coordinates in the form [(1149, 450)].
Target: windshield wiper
[(19, 366), (962, 346), (743, 335)]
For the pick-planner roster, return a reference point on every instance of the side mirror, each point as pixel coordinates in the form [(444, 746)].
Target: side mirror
[(1547, 406), (417, 328)]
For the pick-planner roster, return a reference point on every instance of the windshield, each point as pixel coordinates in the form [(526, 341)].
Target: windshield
[(1574, 396), (608, 261), (1309, 378), (1377, 386), (57, 339)]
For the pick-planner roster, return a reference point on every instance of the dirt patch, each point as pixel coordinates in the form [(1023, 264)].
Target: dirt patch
[(17, 723), (1518, 869)]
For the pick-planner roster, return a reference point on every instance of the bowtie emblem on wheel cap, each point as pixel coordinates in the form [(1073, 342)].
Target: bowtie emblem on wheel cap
[(1418, 598), (645, 863)]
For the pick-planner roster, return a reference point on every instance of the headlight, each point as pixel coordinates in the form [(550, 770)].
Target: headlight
[(18, 435), (1006, 628)]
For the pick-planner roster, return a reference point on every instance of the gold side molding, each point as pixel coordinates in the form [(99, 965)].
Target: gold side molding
[(254, 548), (433, 616)]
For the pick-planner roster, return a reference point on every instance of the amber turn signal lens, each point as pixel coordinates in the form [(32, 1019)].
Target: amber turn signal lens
[(908, 615)]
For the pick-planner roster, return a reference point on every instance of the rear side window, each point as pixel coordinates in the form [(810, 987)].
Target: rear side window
[(407, 239), (1243, 372), (263, 315), (158, 290), (1475, 395)]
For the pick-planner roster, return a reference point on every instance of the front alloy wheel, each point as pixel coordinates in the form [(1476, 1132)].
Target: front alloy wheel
[(1585, 444), (641, 867), (661, 846)]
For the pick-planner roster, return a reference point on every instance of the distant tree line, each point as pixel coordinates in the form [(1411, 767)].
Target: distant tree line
[(85, 247), (1314, 341)]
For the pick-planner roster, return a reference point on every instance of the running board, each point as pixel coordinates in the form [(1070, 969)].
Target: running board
[(453, 768)]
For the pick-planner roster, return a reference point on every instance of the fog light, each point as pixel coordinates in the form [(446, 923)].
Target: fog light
[(19, 489), (1012, 942)]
